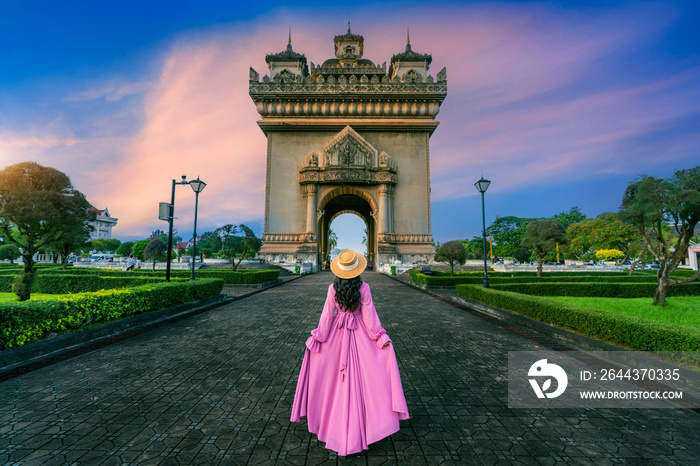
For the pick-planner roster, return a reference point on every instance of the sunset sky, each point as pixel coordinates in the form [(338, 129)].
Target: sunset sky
[(559, 104)]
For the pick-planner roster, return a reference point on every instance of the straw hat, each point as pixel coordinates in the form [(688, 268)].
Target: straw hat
[(348, 264)]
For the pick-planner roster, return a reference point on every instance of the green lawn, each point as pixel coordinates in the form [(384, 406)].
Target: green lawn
[(679, 310), (4, 297)]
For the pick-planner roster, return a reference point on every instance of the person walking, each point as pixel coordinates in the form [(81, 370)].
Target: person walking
[(349, 387), (130, 262)]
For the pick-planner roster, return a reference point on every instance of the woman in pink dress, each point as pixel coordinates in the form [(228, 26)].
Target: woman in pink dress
[(349, 386)]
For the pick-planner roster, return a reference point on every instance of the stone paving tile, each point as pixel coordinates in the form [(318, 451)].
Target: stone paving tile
[(217, 388)]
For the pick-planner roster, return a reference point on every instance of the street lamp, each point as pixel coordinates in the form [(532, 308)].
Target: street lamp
[(171, 217), (482, 185), (197, 186)]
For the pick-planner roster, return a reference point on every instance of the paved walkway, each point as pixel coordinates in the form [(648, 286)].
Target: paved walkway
[(217, 388)]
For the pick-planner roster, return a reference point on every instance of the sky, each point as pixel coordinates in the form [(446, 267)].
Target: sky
[(559, 104)]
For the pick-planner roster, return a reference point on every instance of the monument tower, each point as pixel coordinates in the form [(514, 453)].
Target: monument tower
[(348, 136)]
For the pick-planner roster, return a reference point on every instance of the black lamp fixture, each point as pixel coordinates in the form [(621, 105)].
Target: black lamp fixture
[(171, 218), (482, 185), (197, 186)]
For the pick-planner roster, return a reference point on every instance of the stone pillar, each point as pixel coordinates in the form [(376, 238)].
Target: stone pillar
[(310, 191), (384, 220)]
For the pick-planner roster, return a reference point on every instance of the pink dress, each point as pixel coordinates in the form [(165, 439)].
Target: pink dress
[(349, 386)]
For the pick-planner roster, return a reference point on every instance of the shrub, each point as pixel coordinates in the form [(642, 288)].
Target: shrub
[(23, 322), (633, 332), (609, 254), (596, 289)]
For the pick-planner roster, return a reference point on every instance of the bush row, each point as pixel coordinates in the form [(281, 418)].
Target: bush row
[(599, 290), (66, 282), (78, 283), (633, 332), (23, 322), (452, 281)]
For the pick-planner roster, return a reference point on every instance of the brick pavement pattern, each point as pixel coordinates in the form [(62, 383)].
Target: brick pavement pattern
[(217, 388)]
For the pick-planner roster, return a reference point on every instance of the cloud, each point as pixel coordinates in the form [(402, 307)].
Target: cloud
[(534, 92)]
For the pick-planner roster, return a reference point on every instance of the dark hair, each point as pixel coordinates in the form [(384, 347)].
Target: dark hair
[(347, 292)]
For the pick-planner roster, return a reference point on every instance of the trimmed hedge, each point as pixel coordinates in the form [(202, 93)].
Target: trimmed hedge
[(23, 322), (79, 283), (634, 332), (68, 281), (599, 290), (457, 280)]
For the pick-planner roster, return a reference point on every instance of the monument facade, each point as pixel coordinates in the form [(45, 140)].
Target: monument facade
[(348, 136)]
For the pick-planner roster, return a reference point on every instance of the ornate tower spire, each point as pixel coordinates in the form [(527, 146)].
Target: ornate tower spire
[(289, 43), (408, 40)]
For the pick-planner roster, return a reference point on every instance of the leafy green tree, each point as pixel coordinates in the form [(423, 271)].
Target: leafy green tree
[(333, 240), (234, 245), (181, 252), (155, 250), (507, 233), (574, 215), (650, 203), (606, 231), (105, 245), (78, 237), (209, 243), (542, 236), (124, 249), (36, 204), (522, 255), (474, 248), (453, 253), (10, 252), (138, 247)]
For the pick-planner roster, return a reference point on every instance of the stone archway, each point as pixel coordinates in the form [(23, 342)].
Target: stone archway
[(347, 135), (347, 199)]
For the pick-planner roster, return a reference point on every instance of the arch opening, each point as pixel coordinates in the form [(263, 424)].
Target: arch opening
[(352, 217)]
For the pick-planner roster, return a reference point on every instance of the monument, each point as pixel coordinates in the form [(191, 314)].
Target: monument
[(348, 136)]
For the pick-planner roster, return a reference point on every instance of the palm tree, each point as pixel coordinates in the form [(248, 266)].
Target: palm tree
[(332, 240)]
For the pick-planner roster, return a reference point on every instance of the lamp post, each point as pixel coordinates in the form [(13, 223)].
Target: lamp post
[(482, 185), (171, 218), (197, 186)]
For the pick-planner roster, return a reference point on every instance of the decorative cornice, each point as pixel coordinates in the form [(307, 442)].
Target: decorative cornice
[(349, 107), (289, 237), (405, 238), (353, 176)]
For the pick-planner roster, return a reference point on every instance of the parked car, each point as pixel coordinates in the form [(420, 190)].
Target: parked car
[(71, 260), (651, 266), (624, 263)]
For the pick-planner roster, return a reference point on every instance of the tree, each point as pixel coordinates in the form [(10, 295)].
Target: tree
[(138, 247), (452, 252), (210, 242), (10, 252), (574, 215), (124, 249), (333, 240), (522, 255), (606, 231), (105, 245), (474, 248), (507, 232), (36, 204), (542, 237), (232, 245), (78, 237), (650, 203), (155, 250), (181, 252)]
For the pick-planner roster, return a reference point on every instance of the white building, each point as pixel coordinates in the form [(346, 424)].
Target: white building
[(103, 224)]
